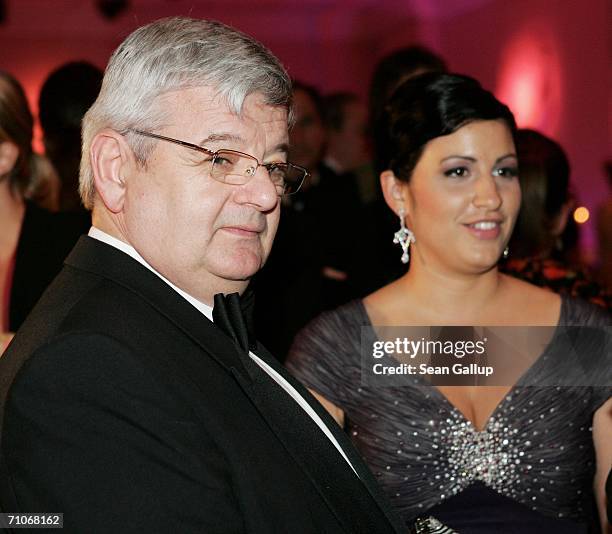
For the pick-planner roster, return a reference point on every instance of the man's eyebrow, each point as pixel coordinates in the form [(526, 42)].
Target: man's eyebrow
[(216, 137), (281, 147)]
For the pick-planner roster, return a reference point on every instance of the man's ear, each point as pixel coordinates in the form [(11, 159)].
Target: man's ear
[(9, 152), (393, 190), (111, 159)]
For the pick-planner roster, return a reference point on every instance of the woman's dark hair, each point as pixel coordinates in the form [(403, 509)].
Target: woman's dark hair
[(544, 176), (16, 126), (429, 106)]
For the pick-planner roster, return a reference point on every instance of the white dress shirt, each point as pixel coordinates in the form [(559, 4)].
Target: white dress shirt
[(206, 310)]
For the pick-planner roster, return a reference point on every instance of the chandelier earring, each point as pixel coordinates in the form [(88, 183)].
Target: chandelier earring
[(404, 237)]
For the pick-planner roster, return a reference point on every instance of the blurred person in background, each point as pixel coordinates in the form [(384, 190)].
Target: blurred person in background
[(67, 93), (308, 131), (33, 241), (347, 147), (390, 72), (604, 233), (315, 263), (538, 250)]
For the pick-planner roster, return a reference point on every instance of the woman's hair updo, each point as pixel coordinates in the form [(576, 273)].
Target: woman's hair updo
[(429, 106)]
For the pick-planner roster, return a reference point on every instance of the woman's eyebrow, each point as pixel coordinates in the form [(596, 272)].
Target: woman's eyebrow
[(456, 156), (470, 158), (511, 155)]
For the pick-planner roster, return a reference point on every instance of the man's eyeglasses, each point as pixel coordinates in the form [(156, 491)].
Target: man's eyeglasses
[(237, 168)]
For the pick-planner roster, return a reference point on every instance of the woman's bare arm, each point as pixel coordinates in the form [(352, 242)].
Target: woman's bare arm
[(602, 439), (333, 410)]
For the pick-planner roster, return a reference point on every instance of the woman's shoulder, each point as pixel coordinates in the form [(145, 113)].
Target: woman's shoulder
[(336, 332), (570, 310), (578, 312), (327, 351), (335, 326)]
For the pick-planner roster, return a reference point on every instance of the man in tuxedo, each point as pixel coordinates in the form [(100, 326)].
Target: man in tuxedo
[(125, 407)]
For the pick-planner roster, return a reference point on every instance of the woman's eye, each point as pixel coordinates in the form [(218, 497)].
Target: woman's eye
[(456, 172), (506, 172)]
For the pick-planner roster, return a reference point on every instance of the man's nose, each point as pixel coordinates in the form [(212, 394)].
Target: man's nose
[(259, 191)]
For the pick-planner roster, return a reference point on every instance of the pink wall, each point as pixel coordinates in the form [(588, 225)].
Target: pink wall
[(336, 43), (568, 45)]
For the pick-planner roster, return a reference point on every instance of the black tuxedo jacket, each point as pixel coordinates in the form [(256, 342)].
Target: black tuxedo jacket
[(128, 411)]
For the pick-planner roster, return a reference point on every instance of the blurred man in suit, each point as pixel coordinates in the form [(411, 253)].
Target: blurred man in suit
[(318, 241)]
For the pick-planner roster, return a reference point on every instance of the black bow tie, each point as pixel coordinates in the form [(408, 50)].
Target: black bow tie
[(234, 315)]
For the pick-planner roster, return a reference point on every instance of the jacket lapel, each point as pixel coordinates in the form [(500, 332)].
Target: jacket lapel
[(330, 453)]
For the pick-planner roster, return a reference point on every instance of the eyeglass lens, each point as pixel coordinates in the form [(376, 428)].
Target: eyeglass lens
[(237, 169)]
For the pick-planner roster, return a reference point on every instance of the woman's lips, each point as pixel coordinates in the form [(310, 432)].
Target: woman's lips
[(484, 229)]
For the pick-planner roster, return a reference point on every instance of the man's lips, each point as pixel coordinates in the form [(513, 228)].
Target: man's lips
[(244, 230)]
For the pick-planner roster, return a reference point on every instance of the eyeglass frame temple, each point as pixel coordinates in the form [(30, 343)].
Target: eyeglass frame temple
[(175, 141)]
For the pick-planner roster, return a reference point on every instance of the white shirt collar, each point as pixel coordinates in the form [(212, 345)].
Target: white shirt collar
[(98, 234)]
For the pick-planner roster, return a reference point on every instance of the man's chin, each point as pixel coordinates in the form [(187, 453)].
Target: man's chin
[(244, 268)]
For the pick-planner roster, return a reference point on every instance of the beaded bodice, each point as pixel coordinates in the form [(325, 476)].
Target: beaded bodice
[(536, 447)]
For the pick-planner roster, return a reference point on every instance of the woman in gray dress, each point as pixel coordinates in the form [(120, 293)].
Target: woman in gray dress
[(504, 457)]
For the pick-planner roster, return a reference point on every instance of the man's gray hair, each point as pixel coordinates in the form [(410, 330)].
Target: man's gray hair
[(170, 54)]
